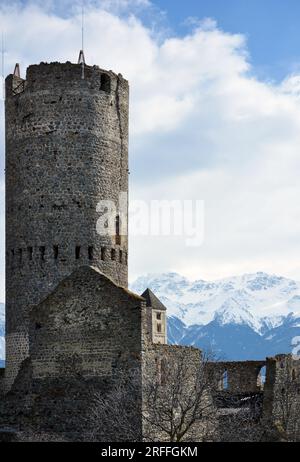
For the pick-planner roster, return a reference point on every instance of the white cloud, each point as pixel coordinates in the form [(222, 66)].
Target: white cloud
[(202, 127)]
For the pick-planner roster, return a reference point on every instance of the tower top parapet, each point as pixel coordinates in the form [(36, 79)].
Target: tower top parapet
[(46, 76)]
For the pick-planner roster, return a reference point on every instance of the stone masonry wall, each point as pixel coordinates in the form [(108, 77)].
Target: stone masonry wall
[(242, 376), (66, 149), (282, 395), (81, 337)]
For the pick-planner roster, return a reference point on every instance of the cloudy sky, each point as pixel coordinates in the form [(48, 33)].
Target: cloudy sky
[(215, 116)]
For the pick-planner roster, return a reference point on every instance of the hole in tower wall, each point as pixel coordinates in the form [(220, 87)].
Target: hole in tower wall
[(103, 253), (91, 252), (121, 256), (42, 252), (118, 237), (113, 254), (30, 253), (55, 252), (105, 84), (77, 252)]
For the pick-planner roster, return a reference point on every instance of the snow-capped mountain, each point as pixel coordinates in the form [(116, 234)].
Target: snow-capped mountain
[(244, 317)]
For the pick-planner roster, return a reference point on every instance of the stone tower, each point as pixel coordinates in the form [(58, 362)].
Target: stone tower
[(66, 149), (156, 318)]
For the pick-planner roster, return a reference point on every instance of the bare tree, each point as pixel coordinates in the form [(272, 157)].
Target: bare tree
[(287, 408), (177, 404), (116, 416)]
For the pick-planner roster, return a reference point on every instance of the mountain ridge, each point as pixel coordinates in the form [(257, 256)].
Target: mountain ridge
[(243, 317)]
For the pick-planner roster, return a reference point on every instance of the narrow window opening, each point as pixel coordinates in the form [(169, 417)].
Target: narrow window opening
[(12, 253), (30, 253), (121, 256), (113, 254), (91, 252), (118, 237), (105, 83), (158, 316), (77, 252), (42, 252), (224, 381), (103, 253), (261, 377), (55, 252), (158, 328)]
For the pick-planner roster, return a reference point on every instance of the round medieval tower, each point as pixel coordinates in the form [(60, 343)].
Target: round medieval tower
[(66, 150)]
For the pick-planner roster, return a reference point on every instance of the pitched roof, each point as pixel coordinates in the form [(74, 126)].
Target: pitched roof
[(153, 301)]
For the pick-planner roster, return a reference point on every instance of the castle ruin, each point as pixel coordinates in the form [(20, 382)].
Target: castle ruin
[(72, 325)]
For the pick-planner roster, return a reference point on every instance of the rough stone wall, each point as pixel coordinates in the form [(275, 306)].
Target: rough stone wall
[(155, 357), (282, 395), (66, 149), (87, 326), (81, 337), (242, 376)]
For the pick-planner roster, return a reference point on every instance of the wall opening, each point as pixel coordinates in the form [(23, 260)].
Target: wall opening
[(113, 254), (55, 252), (91, 252), (223, 384), (261, 377), (42, 252), (103, 253), (30, 253), (118, 237), (121, 256), (158, 328), (158, 316), (77, 252), (105, 84)]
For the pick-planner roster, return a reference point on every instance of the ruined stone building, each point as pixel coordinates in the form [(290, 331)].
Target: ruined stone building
[(71, 322)]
